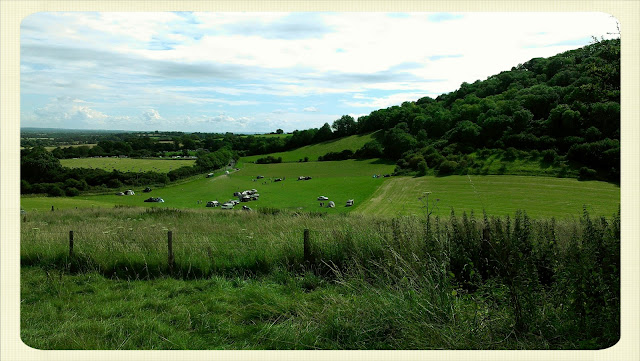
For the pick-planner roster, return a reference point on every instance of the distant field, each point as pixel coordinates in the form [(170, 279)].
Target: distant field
[(67, 146), (127, 164), (268, 135), (351, 179), (353, 143), (498, 195)]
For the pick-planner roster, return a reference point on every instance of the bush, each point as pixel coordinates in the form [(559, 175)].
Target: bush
[(587, 174), (72, 192), (447, 167), (25, 187), (269, 159), (422, 168), (549, 156), (55, 191), (345, 154), (114, 183)]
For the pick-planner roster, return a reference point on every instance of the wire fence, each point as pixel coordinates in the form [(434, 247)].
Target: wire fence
[(167, 242)]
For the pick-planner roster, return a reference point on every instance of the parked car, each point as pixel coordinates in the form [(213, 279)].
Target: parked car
[(323, 198), (213, 204), (245, 208), (147, 190), (154, 199), (227, 206)]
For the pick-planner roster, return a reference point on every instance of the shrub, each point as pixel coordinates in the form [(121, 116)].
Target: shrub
[(72, 192), (55, 191), (422, 168), (549, 156), (447, 167), (587, 174)]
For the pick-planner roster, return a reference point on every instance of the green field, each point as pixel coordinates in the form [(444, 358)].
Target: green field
[(388, 197), (339, 181), (353, 143), (128, 164), (498, 195)]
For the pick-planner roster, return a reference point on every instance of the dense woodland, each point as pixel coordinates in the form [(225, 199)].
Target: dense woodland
[(563, 110)]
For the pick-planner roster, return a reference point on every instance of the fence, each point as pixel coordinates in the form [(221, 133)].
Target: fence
[(190, 241)]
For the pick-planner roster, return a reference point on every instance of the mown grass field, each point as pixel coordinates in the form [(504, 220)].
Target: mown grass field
[(353, 143), (497, 195), (128, 164)]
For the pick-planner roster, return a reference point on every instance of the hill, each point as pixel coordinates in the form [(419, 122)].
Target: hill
[(566, 106), (312, 152)]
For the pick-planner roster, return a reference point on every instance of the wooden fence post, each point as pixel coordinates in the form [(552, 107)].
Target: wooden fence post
[(70, 244), (307, 246), (170, 249)]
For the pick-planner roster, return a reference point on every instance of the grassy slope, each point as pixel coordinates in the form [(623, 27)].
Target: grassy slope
[(313, 151), (498, 195), (127, 164)]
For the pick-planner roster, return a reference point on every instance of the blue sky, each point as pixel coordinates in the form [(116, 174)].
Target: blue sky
[(257, 72)]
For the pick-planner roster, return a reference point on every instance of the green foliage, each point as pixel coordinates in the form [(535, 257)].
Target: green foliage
[(344, 126), (543, 104), (269, 160), (38, 164), (332, 156)]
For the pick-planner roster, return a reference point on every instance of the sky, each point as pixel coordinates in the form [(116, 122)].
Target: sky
[(256, 72)]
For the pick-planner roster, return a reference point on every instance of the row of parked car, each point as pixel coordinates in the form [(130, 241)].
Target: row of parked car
[(331, 204)]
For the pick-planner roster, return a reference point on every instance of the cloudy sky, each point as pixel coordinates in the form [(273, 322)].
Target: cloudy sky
[(256, 72)]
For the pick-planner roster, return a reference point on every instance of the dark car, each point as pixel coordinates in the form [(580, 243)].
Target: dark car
[(147, 190), (154, 199)]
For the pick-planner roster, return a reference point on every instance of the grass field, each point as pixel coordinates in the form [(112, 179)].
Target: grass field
[(353, 143), (241, 281), (339, 181), (127, 164), (388, 197), (498, 195)]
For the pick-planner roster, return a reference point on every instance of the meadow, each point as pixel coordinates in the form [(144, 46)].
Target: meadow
[(313, 151), (241, 281), (128, 164)]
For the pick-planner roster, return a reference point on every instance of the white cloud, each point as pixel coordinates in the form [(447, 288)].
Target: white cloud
[(383, 102), (151, 116), (253, 65)]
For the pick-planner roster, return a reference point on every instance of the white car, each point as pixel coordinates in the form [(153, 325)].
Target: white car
[(323, 198)]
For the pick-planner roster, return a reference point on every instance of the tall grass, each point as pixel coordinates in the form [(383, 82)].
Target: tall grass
[(457, 282)]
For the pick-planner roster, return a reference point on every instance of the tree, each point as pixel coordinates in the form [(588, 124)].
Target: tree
[(39, 164), (324, 133), (344, 126), (397, 141), (279, 131)]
